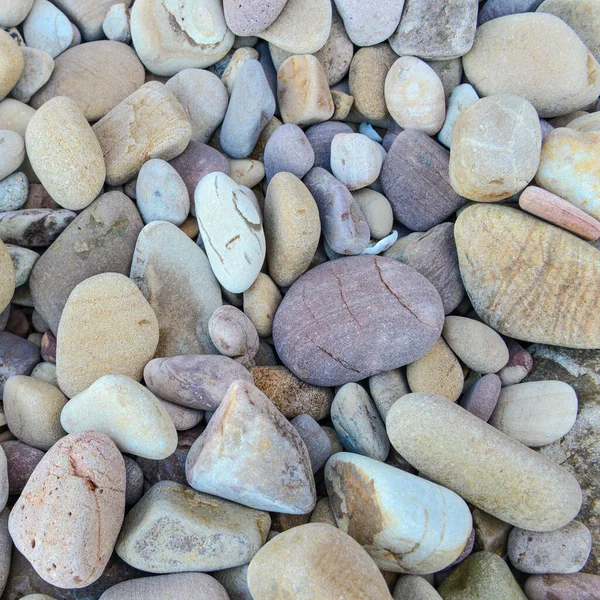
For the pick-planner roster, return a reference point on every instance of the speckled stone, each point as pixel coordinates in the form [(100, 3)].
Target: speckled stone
[(416, 588), (370, 23), (288, 149), (17, 357), (23, 261), (577, 586), (520, 363), (11, 64), (250, 18), (13, 192)]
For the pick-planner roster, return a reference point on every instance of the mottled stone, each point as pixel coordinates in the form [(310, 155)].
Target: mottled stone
[(491, 534), (520, 363), (23, 261), (34, 227), (416, 588), (578, 586), (13, 192), (482, 397), (250, 18), (17, 357)]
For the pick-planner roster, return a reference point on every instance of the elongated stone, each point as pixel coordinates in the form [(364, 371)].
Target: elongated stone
[(34, 227)]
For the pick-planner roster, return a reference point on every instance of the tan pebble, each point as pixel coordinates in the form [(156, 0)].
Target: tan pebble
[(246, 171), (7, 277), (38, 66), (190, 227), (259, 149), (233, 67), (15, 115), (343, 103), (150, 123), (302, 91), (261, 300), (14, 13), (377, 210), (12, 152), (586, 122), (11, 63), (233, 333)]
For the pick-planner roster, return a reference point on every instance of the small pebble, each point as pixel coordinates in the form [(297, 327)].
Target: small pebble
[(482, 397), (519, 365), (21, 462), (13, 192), (377, 211), (316, 440), (12, 13), (116, 24), (462, 96), (355, 160), (17, 357), (12, 152), (288, 149), (578, 586), (47, 28), (261, 301), (233, 333)]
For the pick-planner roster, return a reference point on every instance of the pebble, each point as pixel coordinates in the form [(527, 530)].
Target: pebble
[(481, 575), (377, 211), (305, 563), (126, 412), (484, 159), (32, 408), (520, 363), (21, 461), (232, 231), (183, 418), (358, 424), (150, 123), (39, 198), (376, 503), (481, 399), (250, 454), (250, 17), (493, 9), (578, 586), (261, 301), (134, 481), (461, 97), (317, 441), (547, 65), (292, 227), (69, 538), (487, 468), (438, 372), (320, 137), (116, 25), (386, 388), (12, 152), (303, 91), (289, 150), (38, 66), (161, 193), (107, 327), (96, 76), (171, 37), (355, 160), (236, 62), (316, 341), (48, 347), (436, 30), (174, 275), (415, 587), (247, 172), (536, 413), (433, 254), (233, 333), (100, 239), (17, 357), (7, 276), (565, 550), (371, 23), (15, 115), (302, 26), (235, 581), (408, 82), (195, 381), (505, 271), (13, 192), (347, 234), (12, 13), (184, 586), (47, 28), (65, 154), (251, 107), (565, 168), (491, 534), (587, 122)]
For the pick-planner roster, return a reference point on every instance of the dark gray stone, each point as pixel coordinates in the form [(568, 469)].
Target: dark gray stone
[(17, 357)]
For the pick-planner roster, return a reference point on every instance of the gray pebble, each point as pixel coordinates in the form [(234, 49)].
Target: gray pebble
[(316, 440), (320, 137), (13, 191), (288, 149), (23, 261), (17, 357), (482, 397), (134, 481)]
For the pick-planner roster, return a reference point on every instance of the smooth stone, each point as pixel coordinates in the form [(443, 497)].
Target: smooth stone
[(39, 198), (407, 83), (481, 575), (13, 192), (577, 586), (407, 524), (536, 413), (358, 424), (194, 381), (251, 107), (320, 137), (355, 160), (8, 276), (236, 62), (17, 357), (14, 13), (38, 66), (433, 254), (493, 9), (232, 232), (48, 347), (12, 152), (6, 547), (587, 122), (303, 91), (250, 454), (317, 441), (438, 372), (247, 172), (261, 301), (565, 550), (491, 534), (15, 115), (344, 226), (235, 581), (169, 37), (204, 100), (367, 76), (461, 97), (32, 408), (304, 563), (100, 239), (126, 412), (233, 333), (174, 275), (386, 388), (47, 28), (134, 481), (415, 587), (547, 63), (514, 250), (161, 193), (343, 104), (566, 168), (149, 123), (116, 25), (65, 154), (371, 23), (250, 17), (107, 327), (183, 418), (520, 363), (302, 27), (487, 468), (320, 341), (377, 211), (21, 461), (480, 400), (436, 30), (289, 150), (292, 227), (416, 181), (96, 76), (174, 528), (69, 538), (323, 513), (450, 73)]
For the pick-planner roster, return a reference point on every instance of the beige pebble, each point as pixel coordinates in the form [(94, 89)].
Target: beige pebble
[(233, 333), (65, 153), (246, 171), (11, 63), (15, 115), (355, 160), (586, 122), (12, 152), (377, 210), (261, 301), (107, 327), (303, 92), (13, 13), (343, 104), (38, 66), (7, 277), (240, 56), (151, 123)]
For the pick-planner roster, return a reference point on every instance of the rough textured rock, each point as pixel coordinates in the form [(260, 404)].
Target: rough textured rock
[(321, 343)]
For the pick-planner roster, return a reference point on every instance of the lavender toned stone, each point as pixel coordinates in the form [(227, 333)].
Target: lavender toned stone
[(17, 357), (320, 137), (482, 397), (288, 149), (317, 441)]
